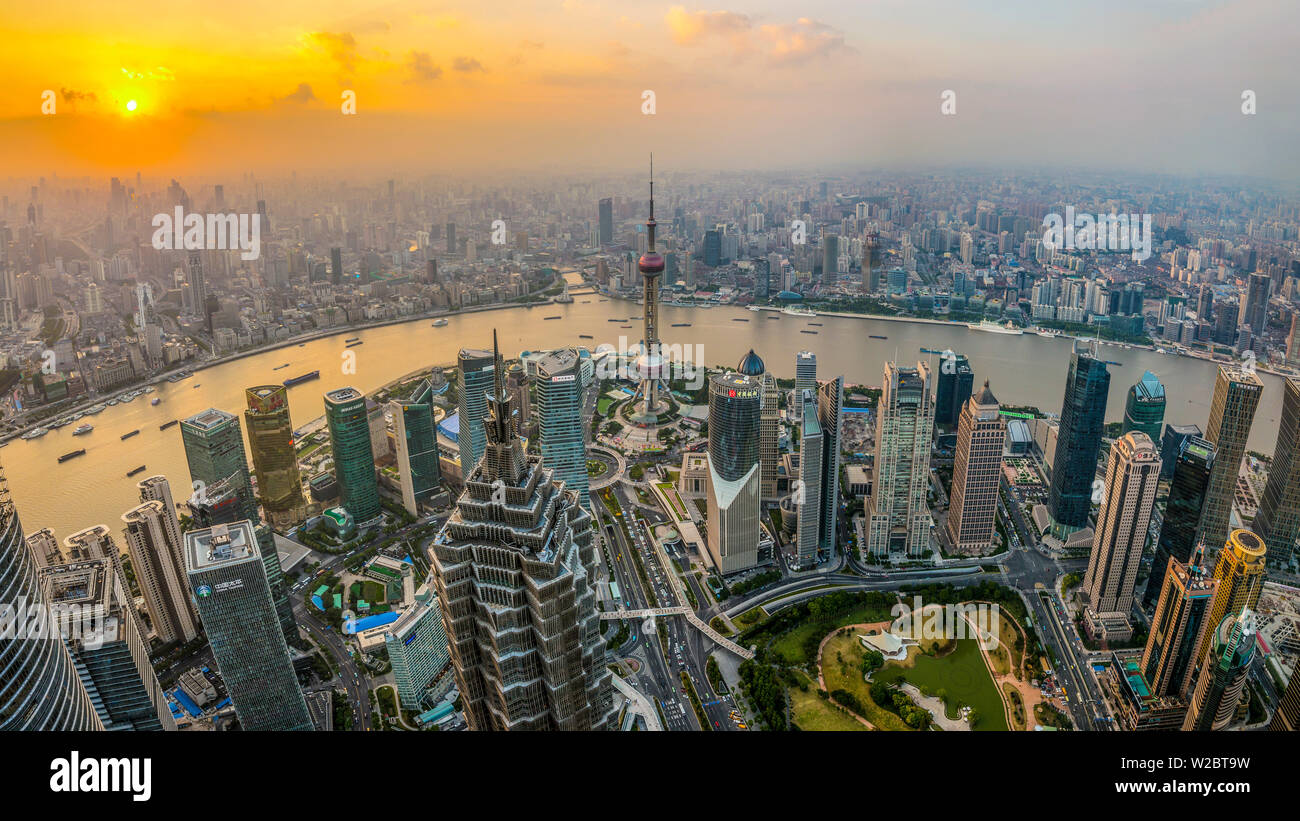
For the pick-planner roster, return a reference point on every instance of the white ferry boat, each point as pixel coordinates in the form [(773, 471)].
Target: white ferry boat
[(790, 310), (439, 323), (995, 328), (35, 433), (82, 430)]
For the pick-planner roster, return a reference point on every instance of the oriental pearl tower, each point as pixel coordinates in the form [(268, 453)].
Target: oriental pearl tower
[(651, 368)]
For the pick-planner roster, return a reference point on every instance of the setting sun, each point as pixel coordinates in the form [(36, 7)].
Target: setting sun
[(131, 105)]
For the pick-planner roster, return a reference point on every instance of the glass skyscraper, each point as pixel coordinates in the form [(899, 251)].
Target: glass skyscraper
[(270, 438), (733, 490), (228, 581), (475, 370), (1278, 519), (39, 686), (1177, 538), (1145, 408), (559, 418), (214, 449), (416, 439), (897, 512), (354, 461), (1083, 419), (956, 383), (1232, 410)]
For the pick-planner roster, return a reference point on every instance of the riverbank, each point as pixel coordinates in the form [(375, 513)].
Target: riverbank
[(293, 341)]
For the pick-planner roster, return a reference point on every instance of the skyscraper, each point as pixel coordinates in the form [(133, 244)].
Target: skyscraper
[(1257, 296), (475, 370), (275, 462), (197, 288), (1229, 650), (336, 265), (1145, 408), (898, 514), (40, 688), (514, 568), (417, 648), (1177, 540), (830, 415), (153, 540), (769, 418), (733, 489), (1239, 570), (1278, 519), (1287, 717), (808, 495), (354, 461), (559, 418), (112, 656), (1236, 396), (830, 258), (976, 475), (1171, 443), (214, 450), (1132, 474), (1083, 418), (416, 441), (606, 219), (805, 372), (1178, 627), (228, 579), (956, 383)]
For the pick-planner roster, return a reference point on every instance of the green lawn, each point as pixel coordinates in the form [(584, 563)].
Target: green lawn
[(842, 670), (790, 646), (813, 713), (962, 677)]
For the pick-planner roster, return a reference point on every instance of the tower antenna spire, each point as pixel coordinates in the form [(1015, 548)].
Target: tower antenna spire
[(652, 186)]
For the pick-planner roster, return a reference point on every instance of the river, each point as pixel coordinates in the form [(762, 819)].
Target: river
[(1023, 370)]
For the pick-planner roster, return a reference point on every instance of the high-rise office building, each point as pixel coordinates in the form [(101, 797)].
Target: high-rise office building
[(214, 450), (452, 247), (228, 580), (514, 569), (733, 531), (1083, 419), (1177, 539), (1278, 520), (40, 688), (197, 288), (898, 514), (1171, 444), (976, 475), (1178, 627), (769, 418), (559, 418), (1239, 570), (153, 541), (108, 648), (1293, 340), (336, 265), (1132, 475), (1256, 311), (1229, 651), (475, 370), (1232, 409), (830, 414), (415, 438), (417, 648), (1287, 717), (808, 495), (275, 461), (956, 383), (1145, 407), (805, 372), (354, 461), (606, 220), (830, 258)]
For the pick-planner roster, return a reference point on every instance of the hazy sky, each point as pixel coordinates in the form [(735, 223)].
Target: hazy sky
[(242, 85)]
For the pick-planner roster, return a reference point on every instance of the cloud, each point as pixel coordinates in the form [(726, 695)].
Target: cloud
[(689, 27), (422, 68), (802, 40), (342, 48), (467, 65), (70, 95), (301, 94), (778, 43)]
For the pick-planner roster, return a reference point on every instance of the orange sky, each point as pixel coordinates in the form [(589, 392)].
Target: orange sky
[(243, 85)]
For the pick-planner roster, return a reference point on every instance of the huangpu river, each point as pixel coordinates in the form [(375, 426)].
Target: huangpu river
[(1022, 370)]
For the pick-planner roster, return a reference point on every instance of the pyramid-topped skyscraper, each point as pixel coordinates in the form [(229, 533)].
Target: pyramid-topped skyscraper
[(514, 570)]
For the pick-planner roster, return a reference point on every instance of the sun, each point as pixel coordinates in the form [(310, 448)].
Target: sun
[(131, 105)]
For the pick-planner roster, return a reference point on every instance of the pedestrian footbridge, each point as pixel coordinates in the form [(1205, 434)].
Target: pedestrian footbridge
[(696, 621)]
